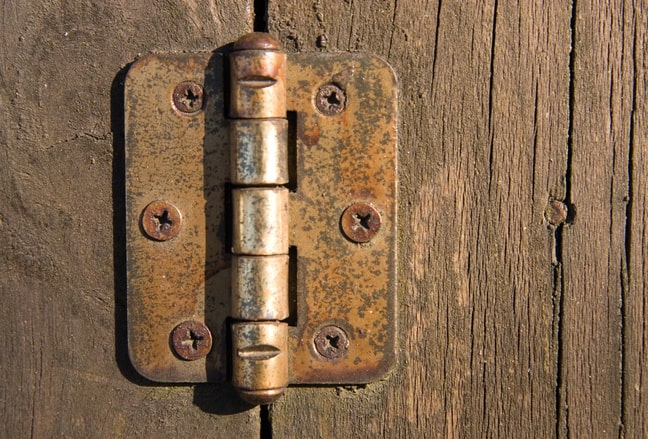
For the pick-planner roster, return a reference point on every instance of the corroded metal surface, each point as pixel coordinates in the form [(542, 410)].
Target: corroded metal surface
[(260, 287), (259, 151), (183, 160), (191, 340), (258, 84), (336, 161), (345, 159), (161, 220), (360, 222), (259, 220)]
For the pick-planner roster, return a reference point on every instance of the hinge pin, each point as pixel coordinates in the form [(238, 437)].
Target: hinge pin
[(259, 133)]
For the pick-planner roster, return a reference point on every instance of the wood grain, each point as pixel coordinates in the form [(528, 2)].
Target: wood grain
[(635, 298), (594, 247), (64, 370), (635, 342), (483, 148)]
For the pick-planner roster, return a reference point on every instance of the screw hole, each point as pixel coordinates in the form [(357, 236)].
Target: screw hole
[(363, 220), (163, 221), (333, 341)]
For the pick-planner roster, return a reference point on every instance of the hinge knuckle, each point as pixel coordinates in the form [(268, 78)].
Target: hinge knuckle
[(259, 151), (258, 84), (260, 287), (260, 370), (259, 135)]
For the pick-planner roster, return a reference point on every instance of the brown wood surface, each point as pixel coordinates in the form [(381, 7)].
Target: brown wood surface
[(63, 364), (508, 326), (594, 248), (635, 297)]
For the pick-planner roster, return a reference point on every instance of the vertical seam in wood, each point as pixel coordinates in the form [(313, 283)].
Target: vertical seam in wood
[(393, 29), (626, 263), (490, 98), (265, 416), (260, 15), (562, 408), (436, 43)]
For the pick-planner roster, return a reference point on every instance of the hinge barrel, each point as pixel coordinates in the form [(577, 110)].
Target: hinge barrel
[(259, 133)]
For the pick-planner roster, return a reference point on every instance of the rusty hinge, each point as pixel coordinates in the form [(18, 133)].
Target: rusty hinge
[(261, 247)]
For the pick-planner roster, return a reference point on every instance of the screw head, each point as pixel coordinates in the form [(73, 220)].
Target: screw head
[(161, 221), (330, 100), (188, 98), (360, 222), (191, 340), (331, 342)]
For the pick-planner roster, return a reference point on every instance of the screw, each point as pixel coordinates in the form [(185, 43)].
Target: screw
[(360, 222), (191, 340), (330, 100), (188, 97), (556, 212), (331, 342), (161, 221)]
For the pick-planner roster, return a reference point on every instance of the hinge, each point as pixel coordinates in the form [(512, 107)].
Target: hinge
[(261, 247)]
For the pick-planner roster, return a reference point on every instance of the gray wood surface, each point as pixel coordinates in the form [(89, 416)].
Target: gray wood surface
[(63, 364)]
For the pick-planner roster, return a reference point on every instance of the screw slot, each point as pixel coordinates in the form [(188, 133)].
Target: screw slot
[(331, 342), (330, 100)]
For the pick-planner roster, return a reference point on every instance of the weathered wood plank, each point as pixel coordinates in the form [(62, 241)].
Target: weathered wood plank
[(483, 135), (635, 299), (593, 249), (64, 371)]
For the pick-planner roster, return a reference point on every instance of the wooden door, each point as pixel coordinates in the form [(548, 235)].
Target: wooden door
[(516, 319)]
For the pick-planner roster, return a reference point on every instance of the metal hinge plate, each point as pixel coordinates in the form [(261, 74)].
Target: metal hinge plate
[(341, 163)]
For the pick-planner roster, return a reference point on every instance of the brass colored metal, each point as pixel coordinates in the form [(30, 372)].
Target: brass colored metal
[(161, 220), (260, 287), (257, 41), (260, 363), (258, 84), (360, 222), (337, 161), (259, 151), (185, 161), (260, 221), (191, 340)]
